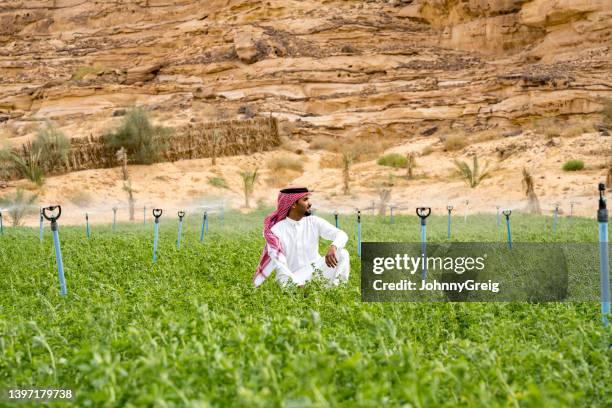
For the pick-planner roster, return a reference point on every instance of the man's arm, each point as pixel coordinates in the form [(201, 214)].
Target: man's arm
[(338, 238)]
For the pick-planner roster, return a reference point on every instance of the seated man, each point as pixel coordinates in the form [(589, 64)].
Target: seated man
[(292, 244)]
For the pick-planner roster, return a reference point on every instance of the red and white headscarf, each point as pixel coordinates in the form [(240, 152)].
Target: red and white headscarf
[(273, 248)]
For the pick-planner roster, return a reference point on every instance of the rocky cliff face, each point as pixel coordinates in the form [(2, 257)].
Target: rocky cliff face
[(347, 68)]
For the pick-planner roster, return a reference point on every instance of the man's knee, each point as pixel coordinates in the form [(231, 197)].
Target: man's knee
[(343, 255)]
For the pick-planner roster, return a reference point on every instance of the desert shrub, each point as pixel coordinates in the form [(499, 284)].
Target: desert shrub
[(550, 133), (323, 143), (217, 182), (19, 204), (393, 160), (143, 142), (80, 198), (286, 162), (573, 165), (454, 142), (82, 71), (52, 146), (428, 150), (330, 161)]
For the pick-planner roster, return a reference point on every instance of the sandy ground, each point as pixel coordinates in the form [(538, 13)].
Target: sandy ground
[(185, 184)]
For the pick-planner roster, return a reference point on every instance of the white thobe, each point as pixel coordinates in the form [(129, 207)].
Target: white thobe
[(300, 241)]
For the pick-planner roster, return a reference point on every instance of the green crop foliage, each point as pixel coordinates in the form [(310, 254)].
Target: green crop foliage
[(191, 330)]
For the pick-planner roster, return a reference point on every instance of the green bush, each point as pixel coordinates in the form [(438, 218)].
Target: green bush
[(393, 160), (143, 141), (217, 182), (573, 165), (52, 147)]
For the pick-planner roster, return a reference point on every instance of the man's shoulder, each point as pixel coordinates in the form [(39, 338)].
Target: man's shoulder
[(279, 225)]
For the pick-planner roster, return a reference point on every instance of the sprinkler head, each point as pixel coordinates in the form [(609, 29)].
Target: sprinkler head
[(181, 214), (52, 216), (507, 213), (449, 208), (602, 213)]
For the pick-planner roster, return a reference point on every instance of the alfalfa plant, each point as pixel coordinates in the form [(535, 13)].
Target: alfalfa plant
[(143, 141), (249, 178), (19, 204), (533, 204), (127, 182), (473, 176)]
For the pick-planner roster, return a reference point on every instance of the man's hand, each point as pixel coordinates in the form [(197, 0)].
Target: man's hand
[(331, 259)]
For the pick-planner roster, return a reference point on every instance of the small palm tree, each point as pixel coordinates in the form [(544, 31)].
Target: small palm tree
[(533, 204), (347, 161), (19, 204), (29, 166), (472, 176), (410, 165), (249, 178)]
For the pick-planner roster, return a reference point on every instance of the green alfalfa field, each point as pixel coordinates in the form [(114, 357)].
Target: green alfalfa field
[(191, 331)]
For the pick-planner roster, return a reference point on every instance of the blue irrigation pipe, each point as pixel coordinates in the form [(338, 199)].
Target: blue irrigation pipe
[(87, 230), (204, 226), (498, 217), (359, 233), (41, 226), (114, 218), (181, 214), (56, 242), (450, 209), (604, 272), (1, 225), (507, 214), (423, 213), (157, 212), (391, 220), (336, 218), (555, 219)]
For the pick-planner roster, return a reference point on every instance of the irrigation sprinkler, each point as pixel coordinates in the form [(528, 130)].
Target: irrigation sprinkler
[(359, 233), (423, 213), (498, 217), (336, 218), (391, 220), (41, 226), (87, 230), (555, 218), (604, 273), (181, 214), (56, 242), (1, 225), (450, 209), (114, 219), (157, 212), (204, 226), (373, 204), (571, 214), (507, 214)]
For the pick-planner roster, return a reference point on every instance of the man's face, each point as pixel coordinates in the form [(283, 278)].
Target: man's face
[(302, 206)]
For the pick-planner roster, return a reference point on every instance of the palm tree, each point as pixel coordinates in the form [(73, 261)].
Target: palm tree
[(533, 204), (472, 176), (249, 179)]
